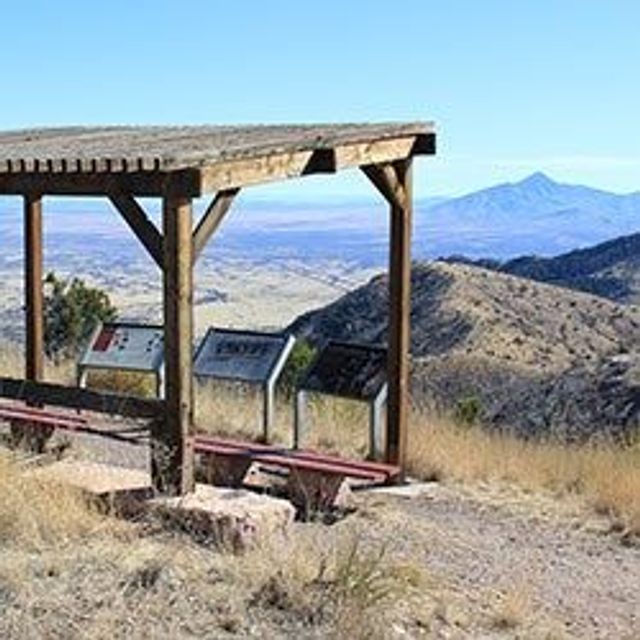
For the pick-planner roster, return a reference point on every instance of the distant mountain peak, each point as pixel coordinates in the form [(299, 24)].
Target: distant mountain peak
[(538, 179)]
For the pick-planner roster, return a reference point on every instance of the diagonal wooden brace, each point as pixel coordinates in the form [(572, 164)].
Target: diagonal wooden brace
[(137, 219), (386, 180), (211, 219)]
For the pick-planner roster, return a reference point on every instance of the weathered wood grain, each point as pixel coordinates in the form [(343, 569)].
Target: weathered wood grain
[(399, 321), (172, 445), (77, 160), (45, 393), (211, 220), (385, 179), (34, 301), (138, 221)]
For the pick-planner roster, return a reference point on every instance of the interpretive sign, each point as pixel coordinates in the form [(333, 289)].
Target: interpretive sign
[(245, 356), (124, 347), (349, 370)]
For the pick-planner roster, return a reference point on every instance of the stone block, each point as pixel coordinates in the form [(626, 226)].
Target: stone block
[(233, 518)]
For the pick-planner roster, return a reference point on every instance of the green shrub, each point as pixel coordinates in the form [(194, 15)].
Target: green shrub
[(72, 312), (468, 410), (299, 360)]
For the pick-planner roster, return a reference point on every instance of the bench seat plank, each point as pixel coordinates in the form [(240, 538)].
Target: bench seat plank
[(391, 471), (308, 461)]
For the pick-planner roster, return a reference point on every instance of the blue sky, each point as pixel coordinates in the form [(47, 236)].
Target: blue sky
[(513, 86)]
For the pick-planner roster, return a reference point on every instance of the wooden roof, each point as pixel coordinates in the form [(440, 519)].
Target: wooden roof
[(199, 159)]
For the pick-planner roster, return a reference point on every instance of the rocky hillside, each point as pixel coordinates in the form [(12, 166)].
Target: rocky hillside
[(610, 269), (522, 348)]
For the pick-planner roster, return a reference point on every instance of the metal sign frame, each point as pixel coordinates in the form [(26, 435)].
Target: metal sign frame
[(375, 399), (85, 365), (268, 382)]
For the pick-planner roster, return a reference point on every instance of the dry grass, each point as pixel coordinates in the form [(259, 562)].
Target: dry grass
[(34, 514), (513, 608), (351, 586), (12, 365), (68, 572), (11, 360), (332, 424), (606, 475), (126, 382)]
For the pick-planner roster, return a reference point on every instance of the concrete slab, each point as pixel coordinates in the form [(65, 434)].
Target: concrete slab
[(409, 490), (93, 477)]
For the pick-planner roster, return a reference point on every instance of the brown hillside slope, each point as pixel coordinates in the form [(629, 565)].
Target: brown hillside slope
[(511, 342)]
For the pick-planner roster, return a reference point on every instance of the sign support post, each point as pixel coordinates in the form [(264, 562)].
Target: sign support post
[(347, 370), (246, 356)]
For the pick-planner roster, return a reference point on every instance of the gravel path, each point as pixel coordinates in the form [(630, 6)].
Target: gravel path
[(561, 567)]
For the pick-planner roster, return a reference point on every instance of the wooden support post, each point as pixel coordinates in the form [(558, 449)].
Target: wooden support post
[(172, 441), (399, 320), (393, 181), (34, 304)]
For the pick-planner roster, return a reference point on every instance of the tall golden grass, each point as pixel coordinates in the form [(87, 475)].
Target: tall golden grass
[(604, 474), (607, 476), (35, 514), (69, 571)]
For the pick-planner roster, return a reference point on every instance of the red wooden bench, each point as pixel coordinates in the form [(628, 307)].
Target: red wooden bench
[(37, 424), (313, 478), (34, 426), (20, 413)]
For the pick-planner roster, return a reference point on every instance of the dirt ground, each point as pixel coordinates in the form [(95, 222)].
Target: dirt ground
[(555, 570), (496, 561)]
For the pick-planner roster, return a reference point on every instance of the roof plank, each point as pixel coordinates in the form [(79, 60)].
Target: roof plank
[(224, 156)]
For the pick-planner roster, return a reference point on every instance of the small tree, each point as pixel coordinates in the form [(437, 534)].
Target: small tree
[(299, 359), (72, 312)]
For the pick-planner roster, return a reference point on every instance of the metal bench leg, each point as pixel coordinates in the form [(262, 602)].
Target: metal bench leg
[(30, 436), (224, 471), (314, 491), (299, 418)]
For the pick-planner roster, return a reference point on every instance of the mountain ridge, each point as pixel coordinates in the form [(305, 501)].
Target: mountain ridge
[(517, 345), (610, 269), (536, 215), (545, 193)]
